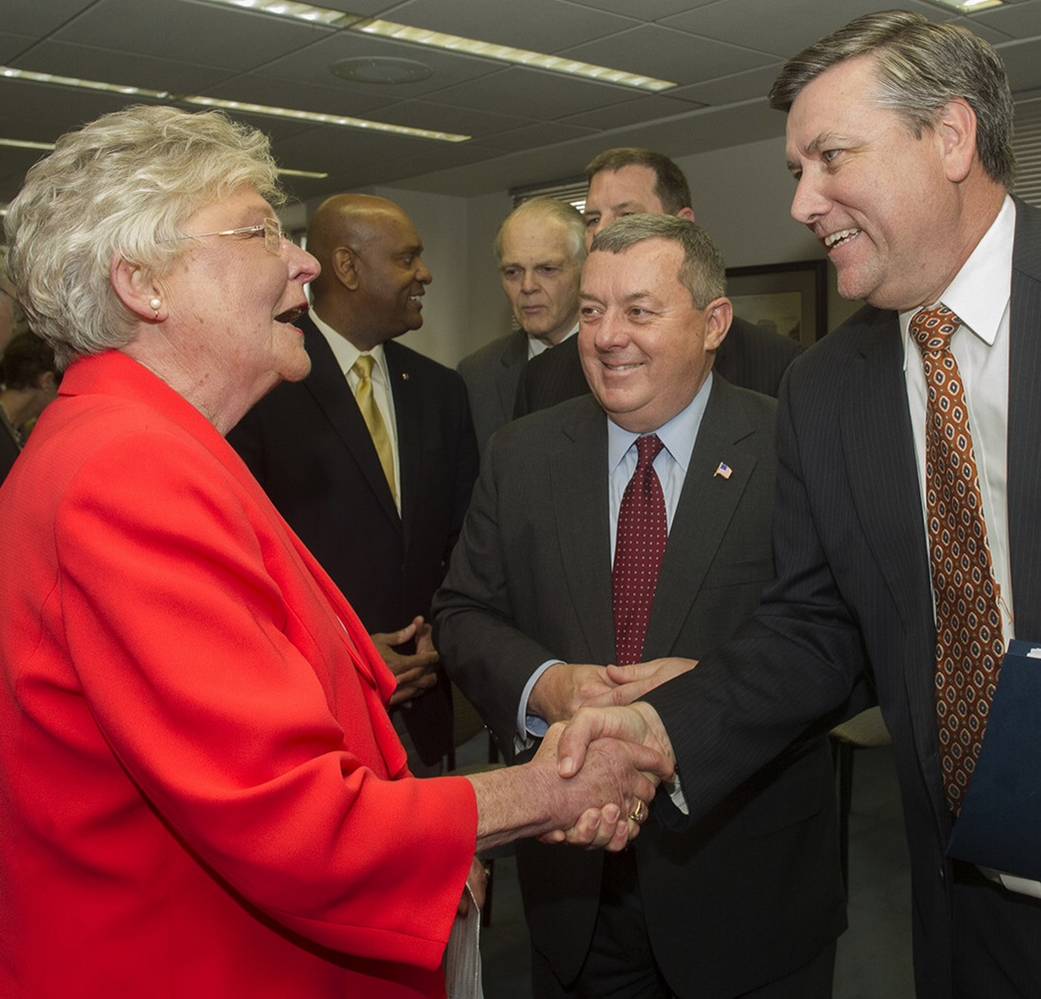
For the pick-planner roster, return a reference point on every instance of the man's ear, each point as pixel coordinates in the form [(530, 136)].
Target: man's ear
[(719, 314), (345, 267), (686, 213), (955, 131), (138, 292)]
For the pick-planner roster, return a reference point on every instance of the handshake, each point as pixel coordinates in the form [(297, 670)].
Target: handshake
[(599, 766)]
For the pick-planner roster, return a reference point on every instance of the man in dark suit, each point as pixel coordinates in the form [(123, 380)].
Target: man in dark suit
[(540, 248), (907, 449), (627, 181), (749, 902), (371, 459)]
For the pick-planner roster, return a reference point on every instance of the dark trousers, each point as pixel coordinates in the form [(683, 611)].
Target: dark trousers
[(997, 939), (621, 963)]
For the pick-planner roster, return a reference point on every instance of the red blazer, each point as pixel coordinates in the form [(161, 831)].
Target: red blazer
[(200, 792)]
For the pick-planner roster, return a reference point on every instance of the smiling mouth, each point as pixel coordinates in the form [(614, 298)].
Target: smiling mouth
[(840, 237), (416, 300), (290, 316)]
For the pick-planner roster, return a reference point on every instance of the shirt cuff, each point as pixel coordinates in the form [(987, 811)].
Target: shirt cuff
[(531, 727), (675, 790)]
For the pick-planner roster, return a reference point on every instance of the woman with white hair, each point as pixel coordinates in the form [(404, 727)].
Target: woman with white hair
[(200, 791)]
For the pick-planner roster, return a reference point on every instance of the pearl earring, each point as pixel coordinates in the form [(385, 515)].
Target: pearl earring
[(154, 304)]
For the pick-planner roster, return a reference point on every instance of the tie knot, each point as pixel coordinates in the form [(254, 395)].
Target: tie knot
[(647, 448), (932, 329), (363, 366)]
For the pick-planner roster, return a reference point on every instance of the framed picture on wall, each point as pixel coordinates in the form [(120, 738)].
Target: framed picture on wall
[(790, 298)]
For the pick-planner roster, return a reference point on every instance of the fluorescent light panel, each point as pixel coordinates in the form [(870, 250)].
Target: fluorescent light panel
[(47, 146), (969, 6), (343, 121), (454, 43)]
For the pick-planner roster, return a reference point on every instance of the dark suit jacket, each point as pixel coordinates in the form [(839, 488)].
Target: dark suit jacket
[(491, 375), (853, 593), (309, 448), (751, 893), (9, 451), (750, 357)]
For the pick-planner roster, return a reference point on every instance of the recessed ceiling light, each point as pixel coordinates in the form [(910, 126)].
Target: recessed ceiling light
[(342, 121), (26, 144), (969, 6), (47, 146), (506, 53), (325, 119), (72, 81), (381, 69), (338, 19)]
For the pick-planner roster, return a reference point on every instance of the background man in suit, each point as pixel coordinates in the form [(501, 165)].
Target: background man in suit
[(898, 137), (372, 457), (664, 457), (540, 248), (623, 182)]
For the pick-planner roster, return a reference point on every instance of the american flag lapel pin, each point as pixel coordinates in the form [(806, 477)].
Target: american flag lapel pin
[(723, 470)]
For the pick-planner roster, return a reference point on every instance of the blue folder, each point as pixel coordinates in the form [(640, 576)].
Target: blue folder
[(1000, 821)]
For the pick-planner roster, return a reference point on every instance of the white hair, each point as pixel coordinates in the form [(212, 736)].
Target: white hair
[(121, 186)]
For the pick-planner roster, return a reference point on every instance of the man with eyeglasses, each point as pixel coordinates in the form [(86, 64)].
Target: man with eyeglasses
[(372, 457)]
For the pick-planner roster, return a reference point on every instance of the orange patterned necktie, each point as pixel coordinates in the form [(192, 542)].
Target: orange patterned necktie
[(969, 643), (643, 533)]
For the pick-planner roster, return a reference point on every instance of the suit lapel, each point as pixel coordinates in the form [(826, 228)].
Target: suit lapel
[(878, 444), (1024, 424), (578, 475), (514, 354), (333, 396), (404, 391), (706, 506)]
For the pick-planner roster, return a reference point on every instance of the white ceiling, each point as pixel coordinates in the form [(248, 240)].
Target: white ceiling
[(528, 126)]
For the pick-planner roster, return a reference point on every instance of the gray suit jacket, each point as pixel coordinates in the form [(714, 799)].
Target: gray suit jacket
[(491, 375), (853, 598), (530, 580)]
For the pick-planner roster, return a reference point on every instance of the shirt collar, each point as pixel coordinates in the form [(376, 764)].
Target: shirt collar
[(678, 434), (345, 351), (536, 346), (980, 291)]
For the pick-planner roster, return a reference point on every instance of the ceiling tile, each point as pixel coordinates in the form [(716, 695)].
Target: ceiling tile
[(111, 66), (1020, 20), (313, 65), (668, 54), (534, 93), (1023, 63), (544, 134), (643, 109), (31, 17), (986, 31), (506, 22), (11, 45), (333, 99), (213, 36), (782, 28), (649, 11), (444, 118), (732, 89)]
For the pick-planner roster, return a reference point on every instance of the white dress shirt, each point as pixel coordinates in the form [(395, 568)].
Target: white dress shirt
[(980, 296), (346, 354)]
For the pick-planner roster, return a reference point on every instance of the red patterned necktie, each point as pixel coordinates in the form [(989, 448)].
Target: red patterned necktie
[(643, 532), (969, 642)]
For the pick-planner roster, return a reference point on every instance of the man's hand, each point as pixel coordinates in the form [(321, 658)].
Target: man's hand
[(625, 793), (634, 682), (565, 687), (414, 673), (638, 724)]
